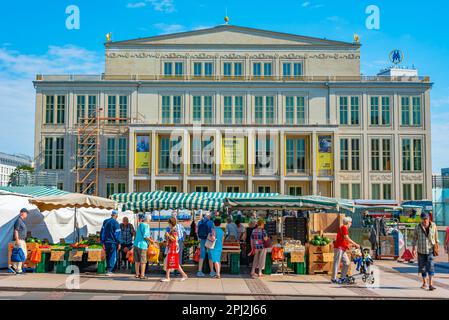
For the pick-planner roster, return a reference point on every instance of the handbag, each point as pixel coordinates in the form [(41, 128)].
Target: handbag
[(17, 255), (267, 243), (172, 261), (210, 242), (436, 246), (197, 255)]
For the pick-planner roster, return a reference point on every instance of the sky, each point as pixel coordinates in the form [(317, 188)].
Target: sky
[(35, 40)]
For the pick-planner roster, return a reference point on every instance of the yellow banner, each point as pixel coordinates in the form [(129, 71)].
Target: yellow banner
[(325, 154), (233, 155), (142, 154)]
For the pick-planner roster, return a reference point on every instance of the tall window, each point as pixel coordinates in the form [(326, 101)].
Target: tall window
[(59, 154), (123, 108), (263, 189), (417, 188), (109, 189), (386, 154), (264, 110), (295, 191), (60, 111), (349, 114), (171, 109), (179, 69), (168, 68), (92, 106), (381, 155), (257, 69), (290, 69), (232, 69), (227, 69), (264, 155), (350, 154), (387, 191), (411, 111), (267, 69), (199, 164), (122, 152), (262, 69), (110, 152), (112, 108), (49, 109), (202, 109), (197, 69), (350, 191), (80, 107), (375, 155), (238, 69), (375, 189), (287, 69), (208, 69), (48, 154), (356, 191), (295, 110), (296, 155), (121, 187), (233, 110), (344, 190), (380, 111), (407, 192), (411, 154), (167, 163)]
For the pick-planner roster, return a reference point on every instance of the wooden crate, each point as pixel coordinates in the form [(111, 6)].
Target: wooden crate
[(320, 249), (320, 267), (323, 257), (57, 256)]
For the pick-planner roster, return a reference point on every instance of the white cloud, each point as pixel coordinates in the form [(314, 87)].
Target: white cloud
[(169, 28), (17, 71), (310, 5), (166, 6)]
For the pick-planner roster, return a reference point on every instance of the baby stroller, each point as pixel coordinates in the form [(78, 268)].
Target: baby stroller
[(363, 261)]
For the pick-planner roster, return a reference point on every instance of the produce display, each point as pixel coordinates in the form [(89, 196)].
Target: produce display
[(319, 241), (191, 243)]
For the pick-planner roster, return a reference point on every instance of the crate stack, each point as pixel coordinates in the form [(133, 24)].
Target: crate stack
[(320, 259)]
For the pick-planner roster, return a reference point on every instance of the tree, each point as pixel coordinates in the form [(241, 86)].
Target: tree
[(13, 177)]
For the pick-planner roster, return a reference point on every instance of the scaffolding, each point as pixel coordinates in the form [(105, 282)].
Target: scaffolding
[(90, 130)]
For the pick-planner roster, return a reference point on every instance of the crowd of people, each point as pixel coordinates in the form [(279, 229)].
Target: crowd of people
[(119, 239)]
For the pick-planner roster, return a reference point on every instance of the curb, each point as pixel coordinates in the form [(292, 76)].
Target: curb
[(137, 292)]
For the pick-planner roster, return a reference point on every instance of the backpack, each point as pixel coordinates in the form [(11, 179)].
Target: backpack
[(202, 230)]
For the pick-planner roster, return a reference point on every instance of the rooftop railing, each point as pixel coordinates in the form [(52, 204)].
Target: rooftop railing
[(221, 78)]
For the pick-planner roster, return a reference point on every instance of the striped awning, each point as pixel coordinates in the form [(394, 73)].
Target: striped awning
[(224, 195), (35, 191), (138, 196), (190, 203)]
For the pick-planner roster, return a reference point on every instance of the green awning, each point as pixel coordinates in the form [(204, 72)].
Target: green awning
[(190, 203), (278, 202), (35, 191), (224, 195)]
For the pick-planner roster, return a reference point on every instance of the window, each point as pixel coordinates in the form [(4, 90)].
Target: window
[(375, 191), (356, 191), (233, 189), (59, 154), (238, 69), (179, 69), (122, 152), (171, 109), (202, 109), (387, 191), (92, 107), (350, 154), (110, 152), (411, 111), (380, 111), (264, 155), (109, 189), (201, 162), (208, 69), (80, 108), (264, 110), (168, 155), (407, 192), (295, 110), (380, 155), (112, 108), (263, 189), (287, 69), (227, 69), (121, 187), (296, 155), (60, 186), (297, 69), (257, 69), (123, 108), (411, 154), (349, 115), (50, 109), (201, 189), (60, 111), (197, 69), (48, 154), (233, 110), (344, 191), (418, 192), (168, 68), (267, 69), (295, 191)]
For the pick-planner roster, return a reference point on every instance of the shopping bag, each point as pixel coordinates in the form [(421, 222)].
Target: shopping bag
[(36, 256), (197, 255), (277, 254), (17, 255), (130, 256), (210, 242), (153, 254), (172, 259)]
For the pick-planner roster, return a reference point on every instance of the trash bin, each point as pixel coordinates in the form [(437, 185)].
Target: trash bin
[(234, 263), (268, 265)]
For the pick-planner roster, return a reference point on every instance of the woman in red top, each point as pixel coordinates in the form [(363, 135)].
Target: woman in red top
[(341, 245)]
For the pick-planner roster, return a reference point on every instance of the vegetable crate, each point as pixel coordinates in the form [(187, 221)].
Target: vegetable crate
[(320, 259)]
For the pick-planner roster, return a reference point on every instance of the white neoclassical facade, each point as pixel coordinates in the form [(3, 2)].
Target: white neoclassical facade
[(241, 110)]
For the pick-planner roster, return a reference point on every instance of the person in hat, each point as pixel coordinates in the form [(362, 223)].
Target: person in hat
[(19, 236), (110, 236), (425, 245)]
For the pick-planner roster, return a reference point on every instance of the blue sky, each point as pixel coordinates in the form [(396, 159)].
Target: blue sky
[(34, 39)]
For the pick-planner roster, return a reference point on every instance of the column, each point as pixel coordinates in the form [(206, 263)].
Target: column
[(281, 163), (131, 160), (217, 153), (185, 160), (314, 167), (250, 160), (153, 160)]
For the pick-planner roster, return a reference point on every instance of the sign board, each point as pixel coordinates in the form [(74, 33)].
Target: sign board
[(233, 156), (325, 154), (142, 154)]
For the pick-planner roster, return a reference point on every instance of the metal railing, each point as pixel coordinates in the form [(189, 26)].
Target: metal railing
[(222, 78), (440, 182)]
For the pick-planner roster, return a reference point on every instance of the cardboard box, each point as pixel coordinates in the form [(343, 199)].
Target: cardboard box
[(57, 256), (297, 256), (95, 255), (76, 255), (323, 257), (325, 222), (386, 246)]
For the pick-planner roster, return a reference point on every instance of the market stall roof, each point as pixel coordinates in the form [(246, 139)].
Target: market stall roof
[(279, 202), (190, 203), (72, 200), (34, 191), (139, 196), (224, 195)]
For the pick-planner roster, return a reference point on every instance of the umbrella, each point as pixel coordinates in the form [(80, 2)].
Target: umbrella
[(72, 200)]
